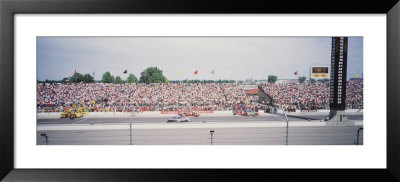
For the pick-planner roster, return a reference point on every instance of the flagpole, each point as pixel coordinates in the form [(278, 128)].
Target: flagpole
[(213, 76), (298, 92)]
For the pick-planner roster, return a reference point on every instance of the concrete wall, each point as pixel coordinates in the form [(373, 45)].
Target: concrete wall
[(55, 115)]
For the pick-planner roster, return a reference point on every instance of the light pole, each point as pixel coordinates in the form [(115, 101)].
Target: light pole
[(358, 134), (44, 135), (130, 128), (287, 126), (130, 133), (212, 134)]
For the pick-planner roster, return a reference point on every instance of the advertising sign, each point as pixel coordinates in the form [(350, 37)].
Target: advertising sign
[(319, 72)]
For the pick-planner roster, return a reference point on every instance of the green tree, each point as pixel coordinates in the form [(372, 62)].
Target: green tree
[(272, 78), (153, 75), (132, 79), (302, 79), (107, 78), (118, 80), (76, 78), (88, 78), (165, 80), (65, 79), (325, 80), (312, 81)]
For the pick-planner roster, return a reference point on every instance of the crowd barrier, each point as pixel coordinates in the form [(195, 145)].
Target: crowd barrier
[(176, 112), (53, 115), (120, 111), (239, 134)]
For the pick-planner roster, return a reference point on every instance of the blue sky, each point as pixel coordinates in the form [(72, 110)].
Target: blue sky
[(237, 58)]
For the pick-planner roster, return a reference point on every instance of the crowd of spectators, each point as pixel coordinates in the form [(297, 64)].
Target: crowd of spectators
[(354, 94), (186, 96), (316, 96), (145, 97)]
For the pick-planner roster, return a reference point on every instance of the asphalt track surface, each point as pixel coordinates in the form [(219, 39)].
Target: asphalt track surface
[(208, 119)]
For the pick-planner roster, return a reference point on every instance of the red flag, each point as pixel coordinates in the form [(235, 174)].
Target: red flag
[(196, 72), (75, 72)]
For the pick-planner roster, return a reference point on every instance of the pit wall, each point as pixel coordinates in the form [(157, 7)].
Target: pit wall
[(55, 115)]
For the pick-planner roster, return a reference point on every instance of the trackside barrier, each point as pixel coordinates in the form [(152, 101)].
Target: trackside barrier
[(54, 115), (139, 134), (176, 112)]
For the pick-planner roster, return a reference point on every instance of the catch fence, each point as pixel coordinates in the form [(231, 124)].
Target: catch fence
[(315, 135)]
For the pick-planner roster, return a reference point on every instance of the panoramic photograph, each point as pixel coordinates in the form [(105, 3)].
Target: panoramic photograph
[(199, 91)]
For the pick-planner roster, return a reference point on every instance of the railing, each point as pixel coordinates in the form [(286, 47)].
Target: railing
[(324, 135), (359, 133)]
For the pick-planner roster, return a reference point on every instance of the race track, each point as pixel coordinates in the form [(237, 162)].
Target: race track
[(268, 129), (271, 117), (327, 135)]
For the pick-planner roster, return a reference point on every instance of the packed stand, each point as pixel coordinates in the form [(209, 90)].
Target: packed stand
[(313, 96), (143, 97)]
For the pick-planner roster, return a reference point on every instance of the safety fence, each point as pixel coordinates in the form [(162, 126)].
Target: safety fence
[(321, 135)]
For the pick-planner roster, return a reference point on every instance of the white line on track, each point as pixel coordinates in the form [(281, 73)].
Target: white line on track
[(80, 121), (48, 122)]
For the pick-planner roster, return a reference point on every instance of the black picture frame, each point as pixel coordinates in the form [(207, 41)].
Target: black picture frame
[(8, 8)]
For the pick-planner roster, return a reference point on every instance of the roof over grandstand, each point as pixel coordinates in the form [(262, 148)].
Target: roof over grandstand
[(253, 91)]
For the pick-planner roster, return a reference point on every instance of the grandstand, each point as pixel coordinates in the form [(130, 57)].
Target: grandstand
[(192, 96)]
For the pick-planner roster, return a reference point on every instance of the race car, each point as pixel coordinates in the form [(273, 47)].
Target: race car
[(70, 114), (178, 119), (240, 112), (250, 112), (189, 113)]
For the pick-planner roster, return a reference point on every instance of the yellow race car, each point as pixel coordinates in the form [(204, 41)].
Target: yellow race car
[(82, 111), (71, 114)]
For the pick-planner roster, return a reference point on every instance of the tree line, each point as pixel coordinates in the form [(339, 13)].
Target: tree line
[(151, 75)]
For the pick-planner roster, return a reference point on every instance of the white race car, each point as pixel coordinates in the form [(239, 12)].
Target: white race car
[(178, 119)]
